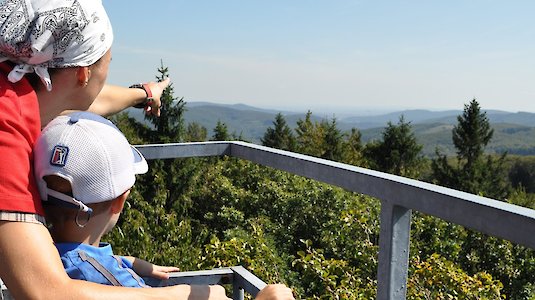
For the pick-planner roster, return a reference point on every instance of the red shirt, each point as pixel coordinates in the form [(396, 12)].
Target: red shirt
[(20, 125)]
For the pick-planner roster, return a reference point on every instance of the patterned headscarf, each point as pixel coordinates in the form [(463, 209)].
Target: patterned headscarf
[(41, 34)]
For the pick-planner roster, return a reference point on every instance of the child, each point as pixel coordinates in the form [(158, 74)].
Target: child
[(85, 168)]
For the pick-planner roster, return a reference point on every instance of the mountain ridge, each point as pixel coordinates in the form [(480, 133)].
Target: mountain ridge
[(514, 132)]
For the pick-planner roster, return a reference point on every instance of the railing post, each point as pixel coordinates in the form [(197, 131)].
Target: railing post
[(237, 291), (393, 252)]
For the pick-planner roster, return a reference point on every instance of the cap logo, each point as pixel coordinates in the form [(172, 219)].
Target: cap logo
[(59, 155)]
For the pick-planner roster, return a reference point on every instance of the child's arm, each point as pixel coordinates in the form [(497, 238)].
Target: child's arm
[(146, 269)]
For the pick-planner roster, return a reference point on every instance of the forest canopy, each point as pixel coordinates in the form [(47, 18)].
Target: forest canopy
[(202, 213)]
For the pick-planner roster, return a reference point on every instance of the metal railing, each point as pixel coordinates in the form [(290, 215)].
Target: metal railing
[(240, 279), (398, 196)]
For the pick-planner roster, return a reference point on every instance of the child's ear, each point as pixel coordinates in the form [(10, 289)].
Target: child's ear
[(118, 203)]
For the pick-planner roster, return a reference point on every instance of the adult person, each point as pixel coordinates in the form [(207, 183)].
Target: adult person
[(54, 57)]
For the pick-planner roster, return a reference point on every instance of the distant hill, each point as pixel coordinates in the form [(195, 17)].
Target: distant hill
[(414, 116), (513, 132)]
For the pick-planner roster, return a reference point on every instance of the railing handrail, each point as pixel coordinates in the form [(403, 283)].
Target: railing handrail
[(241, 280), (398, 197)]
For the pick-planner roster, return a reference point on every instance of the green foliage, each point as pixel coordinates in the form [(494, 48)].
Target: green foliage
[(520, 197), (329, 278), (472, 134), (248, 247), (430, 235), (324, 139), (512, 265), (279, 137), (353, 149), (473, 172), (522, 173), (398, 153), (473, 252), (169, 126), (195, 133), (438, 278), (333, 141), (220, 132), (309, 136), (321, 240)]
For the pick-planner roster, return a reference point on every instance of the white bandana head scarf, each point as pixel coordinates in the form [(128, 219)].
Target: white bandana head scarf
[(41, 34)]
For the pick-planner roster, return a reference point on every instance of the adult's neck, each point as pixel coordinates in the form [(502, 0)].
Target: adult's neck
[(50, 105)]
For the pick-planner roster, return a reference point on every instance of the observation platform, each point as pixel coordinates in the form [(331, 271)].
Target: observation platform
[(399, 196)]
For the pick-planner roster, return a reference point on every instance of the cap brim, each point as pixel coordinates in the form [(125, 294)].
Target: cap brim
[(140, 164)]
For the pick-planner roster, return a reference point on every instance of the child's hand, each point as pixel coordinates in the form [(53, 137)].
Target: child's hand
[(159, 272), (146, 269)]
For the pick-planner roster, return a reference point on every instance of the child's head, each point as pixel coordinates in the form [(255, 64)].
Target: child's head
[(82, 163)]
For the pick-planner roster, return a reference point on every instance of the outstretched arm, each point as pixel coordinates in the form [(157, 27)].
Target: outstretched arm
[(113, 99), (31, 268)]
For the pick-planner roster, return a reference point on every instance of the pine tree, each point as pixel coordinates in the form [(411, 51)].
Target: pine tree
[(309, 136), (281, 136), (398, 153), (472, 134), (353, 149), (220, 132), (195, 132), (169, 126), (473, 173), (333, 141)]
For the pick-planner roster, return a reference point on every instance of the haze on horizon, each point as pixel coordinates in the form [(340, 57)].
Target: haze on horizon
[(342, 55)]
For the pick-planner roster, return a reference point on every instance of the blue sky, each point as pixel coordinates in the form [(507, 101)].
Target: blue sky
[(332, 56)]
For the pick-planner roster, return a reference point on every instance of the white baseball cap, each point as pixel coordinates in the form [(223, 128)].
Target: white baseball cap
[(92, 154)]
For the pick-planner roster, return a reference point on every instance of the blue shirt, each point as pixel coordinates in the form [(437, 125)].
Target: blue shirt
[(98, 264)]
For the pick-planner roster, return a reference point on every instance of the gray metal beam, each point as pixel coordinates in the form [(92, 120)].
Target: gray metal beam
[(241, 280), (203, 277), (183, 150), (394, 252)]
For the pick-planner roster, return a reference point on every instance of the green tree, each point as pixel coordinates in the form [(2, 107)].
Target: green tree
[(220, 132), (320, 139), (195, 132), (473, 173), (353, 149), (522, 174), (477, 173), (333, 141), (280, 136), (309, 136), (398, 153), (169, 126)]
